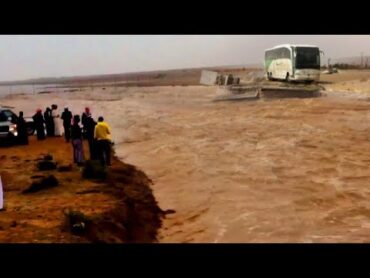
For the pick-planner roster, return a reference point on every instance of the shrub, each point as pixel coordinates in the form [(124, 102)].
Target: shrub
[(93, 169)]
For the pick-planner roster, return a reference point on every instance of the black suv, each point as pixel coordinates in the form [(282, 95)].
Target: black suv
[(8, 126)]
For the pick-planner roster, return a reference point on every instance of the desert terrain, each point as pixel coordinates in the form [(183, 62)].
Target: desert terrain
[(118, 209), (271, 170)]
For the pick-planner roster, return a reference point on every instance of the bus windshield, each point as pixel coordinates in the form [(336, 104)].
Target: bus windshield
[(307, 58)]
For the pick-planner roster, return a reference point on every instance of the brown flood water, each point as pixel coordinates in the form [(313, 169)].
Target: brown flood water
[(290, 170)]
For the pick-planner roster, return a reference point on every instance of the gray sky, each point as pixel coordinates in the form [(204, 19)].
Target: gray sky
[(24, 57)]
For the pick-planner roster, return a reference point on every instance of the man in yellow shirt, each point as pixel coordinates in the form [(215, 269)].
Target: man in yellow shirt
[(102, 135)]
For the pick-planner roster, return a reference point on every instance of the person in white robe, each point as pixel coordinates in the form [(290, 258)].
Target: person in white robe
[(57, 121)]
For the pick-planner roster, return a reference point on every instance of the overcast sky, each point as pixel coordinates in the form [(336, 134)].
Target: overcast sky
[(23, 57)]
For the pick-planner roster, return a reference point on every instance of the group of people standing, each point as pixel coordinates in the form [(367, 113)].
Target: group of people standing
[(98, 134), (50, 121)]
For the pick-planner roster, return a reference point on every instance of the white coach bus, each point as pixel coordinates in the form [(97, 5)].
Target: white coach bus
[(293, 62)]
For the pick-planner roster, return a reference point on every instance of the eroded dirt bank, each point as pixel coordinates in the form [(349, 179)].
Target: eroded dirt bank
[(119, 209)]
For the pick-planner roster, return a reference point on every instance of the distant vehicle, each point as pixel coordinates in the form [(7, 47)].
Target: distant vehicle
[(8, 126), (293, 63)]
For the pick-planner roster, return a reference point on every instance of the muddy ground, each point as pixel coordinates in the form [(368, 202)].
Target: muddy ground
[(118, 209)]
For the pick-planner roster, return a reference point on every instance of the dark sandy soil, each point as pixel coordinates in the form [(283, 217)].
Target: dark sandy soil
[(119, 209)]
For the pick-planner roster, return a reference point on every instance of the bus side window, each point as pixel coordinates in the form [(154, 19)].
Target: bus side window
[(285, 53)]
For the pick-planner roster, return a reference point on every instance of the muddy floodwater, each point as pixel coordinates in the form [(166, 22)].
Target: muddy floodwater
[(290, 170), (279, 170)]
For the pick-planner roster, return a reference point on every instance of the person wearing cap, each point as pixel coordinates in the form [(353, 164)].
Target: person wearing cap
[(38, 119), (84, 116), (102, 135), (67, 118)]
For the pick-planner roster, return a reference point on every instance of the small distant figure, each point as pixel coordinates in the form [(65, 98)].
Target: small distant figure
[(22, 130), (49, 122), (76, 137), (38, 119), (102, 134), (67, 119), (84, 116), (90, 127), (56, 118)]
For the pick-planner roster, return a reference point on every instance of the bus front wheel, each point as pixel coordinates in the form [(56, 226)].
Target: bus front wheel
[(269, 76)]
